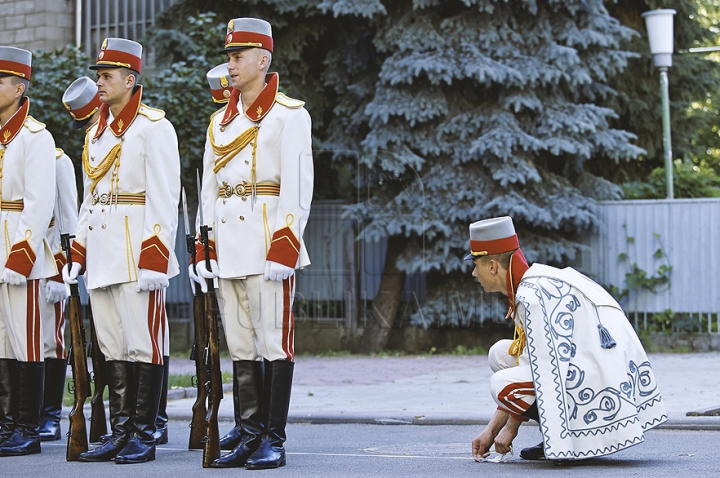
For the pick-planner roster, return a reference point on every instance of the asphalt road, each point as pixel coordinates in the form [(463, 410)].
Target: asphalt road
[(353, 450)]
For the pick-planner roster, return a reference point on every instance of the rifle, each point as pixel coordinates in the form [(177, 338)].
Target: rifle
[(80, 385), (199, 408), (98, 425), (211, 354)]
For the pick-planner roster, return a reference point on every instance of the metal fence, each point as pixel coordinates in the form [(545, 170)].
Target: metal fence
[(118, 18), (652, 236)]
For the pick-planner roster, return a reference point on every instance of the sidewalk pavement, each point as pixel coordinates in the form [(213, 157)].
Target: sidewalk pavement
[(443, 390)]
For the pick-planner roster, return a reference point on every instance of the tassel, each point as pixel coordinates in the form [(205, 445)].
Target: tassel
[(606, 340)]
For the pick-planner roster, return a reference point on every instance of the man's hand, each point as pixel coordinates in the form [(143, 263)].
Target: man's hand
[(503, 442), (13, 278), (150, 280), (277, 272), (55, 292), (211, 274), (196, 278), (482, 443), (70, 275)]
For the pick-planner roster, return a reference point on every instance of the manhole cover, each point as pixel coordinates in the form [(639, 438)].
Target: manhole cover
[(422, 449)]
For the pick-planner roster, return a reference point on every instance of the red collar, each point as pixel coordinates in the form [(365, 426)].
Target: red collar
[(516, 270), (123, 121), (15, 123), (260, 107)]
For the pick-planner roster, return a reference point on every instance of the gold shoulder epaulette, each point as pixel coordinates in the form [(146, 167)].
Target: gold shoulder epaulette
[(285, 100), (153, 114), (34, 125), (58, 153)]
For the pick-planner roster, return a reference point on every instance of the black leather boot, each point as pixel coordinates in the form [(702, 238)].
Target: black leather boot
[(248, 393), (8, 397), (278, 384), (122, 381), (25, 439), (54, 389), (161, 422), (141, 446), (233, 437)]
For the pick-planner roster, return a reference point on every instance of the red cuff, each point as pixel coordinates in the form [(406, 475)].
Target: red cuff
[(285, 248), (154, 255), (60, 262), (200, 251), (21, 259), (78, 255)]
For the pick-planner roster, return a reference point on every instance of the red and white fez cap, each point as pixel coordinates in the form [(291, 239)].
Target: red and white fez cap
[(220, 85), (119, 53), (248, 33), (492, 236), (81, 100), (15, 62)]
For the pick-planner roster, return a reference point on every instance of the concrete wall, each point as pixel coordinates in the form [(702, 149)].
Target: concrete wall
[(37, 24)]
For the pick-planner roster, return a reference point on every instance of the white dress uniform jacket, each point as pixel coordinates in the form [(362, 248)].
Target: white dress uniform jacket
[(246, 233), (27, 150), (128, 218)]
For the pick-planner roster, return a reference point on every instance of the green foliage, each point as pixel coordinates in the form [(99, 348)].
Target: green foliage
[(636, 278), (689, 181), (694, 90)]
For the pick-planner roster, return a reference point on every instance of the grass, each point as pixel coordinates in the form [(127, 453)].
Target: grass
[(175, 381)]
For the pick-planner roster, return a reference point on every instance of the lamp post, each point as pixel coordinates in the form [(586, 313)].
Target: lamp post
[(659, 25)]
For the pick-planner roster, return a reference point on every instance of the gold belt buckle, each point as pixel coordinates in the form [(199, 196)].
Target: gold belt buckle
[(241, 190), (95, 198), (227, 190)]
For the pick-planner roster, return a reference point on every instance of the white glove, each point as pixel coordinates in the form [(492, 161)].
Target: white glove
[(196, 278), (149, 279), (13, 278), (202, 271), (277, 272), (54, 291), (70, 275)]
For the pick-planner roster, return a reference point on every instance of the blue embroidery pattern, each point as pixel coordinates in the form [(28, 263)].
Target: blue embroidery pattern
[(582, 410)]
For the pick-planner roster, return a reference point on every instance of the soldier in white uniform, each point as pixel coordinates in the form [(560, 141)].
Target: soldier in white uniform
[(124, 245), (257, 188), (576, 365), (52, 311), (27, 163)]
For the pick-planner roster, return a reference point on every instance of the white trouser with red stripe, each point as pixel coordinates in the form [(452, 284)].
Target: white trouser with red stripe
[(257, 317), (511, 385), (53, 319), (20, 324), (130, 326)]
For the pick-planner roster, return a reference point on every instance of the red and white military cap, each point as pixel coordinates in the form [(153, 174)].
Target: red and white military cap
[(15, 62), (220, 85), (81, 100), (248, 33), (492, 236), (119, 53)]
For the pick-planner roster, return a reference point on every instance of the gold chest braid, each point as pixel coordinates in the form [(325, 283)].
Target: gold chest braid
[(111, 160), (225, 154)]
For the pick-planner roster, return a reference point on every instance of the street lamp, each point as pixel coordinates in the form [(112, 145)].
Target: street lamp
[(659, 25)]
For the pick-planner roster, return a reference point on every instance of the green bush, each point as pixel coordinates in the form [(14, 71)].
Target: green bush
[(689, 181)]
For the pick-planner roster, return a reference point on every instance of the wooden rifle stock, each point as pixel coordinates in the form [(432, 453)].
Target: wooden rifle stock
[(199, 408), (214, 387), (98, 424), (77, 436), (211, 356)]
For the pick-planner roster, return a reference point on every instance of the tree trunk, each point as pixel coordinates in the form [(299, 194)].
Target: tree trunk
[(386, 303)]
